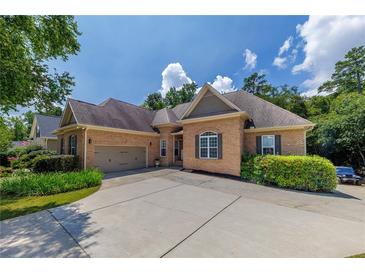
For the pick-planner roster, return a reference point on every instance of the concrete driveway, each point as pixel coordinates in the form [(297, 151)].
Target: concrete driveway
[(169, 213)]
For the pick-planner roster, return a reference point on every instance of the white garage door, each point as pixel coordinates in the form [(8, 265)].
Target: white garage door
[(119, 158)]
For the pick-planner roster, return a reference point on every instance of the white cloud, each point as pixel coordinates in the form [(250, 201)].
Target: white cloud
[(223, 84), (280, 62), (250, 59), (326, 40), (173, 76), (286, 45)]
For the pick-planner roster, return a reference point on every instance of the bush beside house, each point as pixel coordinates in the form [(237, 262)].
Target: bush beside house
[(310, 173)]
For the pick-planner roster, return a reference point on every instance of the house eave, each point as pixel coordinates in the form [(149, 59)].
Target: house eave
[(214, 117), (110, 129), (278, 128)]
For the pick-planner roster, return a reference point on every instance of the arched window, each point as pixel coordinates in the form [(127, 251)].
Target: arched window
[(208, 145)]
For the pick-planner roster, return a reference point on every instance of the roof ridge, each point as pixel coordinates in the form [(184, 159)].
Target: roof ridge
[(46, 115), (80, 101), (130, 104), (276, 106)]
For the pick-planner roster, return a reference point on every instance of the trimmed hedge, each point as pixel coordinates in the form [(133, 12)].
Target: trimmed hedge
[(46, 163), (310, 173), (50, 183)]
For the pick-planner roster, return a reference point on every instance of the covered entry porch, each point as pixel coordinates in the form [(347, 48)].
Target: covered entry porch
[(178, 148)]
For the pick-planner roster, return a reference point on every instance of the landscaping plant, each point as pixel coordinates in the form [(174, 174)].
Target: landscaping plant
[(310, 173), (49, 183)]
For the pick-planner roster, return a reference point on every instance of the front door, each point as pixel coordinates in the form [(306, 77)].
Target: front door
[(178, 149)]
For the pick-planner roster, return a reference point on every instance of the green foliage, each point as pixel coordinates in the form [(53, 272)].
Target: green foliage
[(19, 128), (175, 96), (340, 134), (49, 183), (349, 73), (5, 171), (27, 45), (52, 163), (11, 207), (257, 84), (310, 173), (155, 101), (5, 136), (26, 160), (26, 155)]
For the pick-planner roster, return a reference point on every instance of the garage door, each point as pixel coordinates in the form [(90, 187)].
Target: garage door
[(119, 158)]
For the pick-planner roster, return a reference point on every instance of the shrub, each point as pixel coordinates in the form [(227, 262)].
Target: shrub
[(4, 161), (311, 173), (49, 183), (52, 163), (5, 171), (30, 148), (26, 159)]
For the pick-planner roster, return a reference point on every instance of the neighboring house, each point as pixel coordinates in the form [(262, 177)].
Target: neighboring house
[(20, 143), (41, 132), (211, 133)]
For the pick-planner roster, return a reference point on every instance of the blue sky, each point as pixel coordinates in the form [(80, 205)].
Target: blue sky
[(124, 56)]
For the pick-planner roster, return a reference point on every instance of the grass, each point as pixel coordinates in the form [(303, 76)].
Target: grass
[(362, 255), (11, 207)]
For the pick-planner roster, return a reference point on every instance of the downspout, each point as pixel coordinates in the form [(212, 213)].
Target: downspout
[(305, 143), (85, 148)]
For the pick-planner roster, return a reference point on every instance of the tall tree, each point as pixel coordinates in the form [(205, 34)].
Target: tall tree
[(154, 101), (349, 73), (5, 135), (19, 128), (179, 96), (340, 134), (27, 45), (257, 84)]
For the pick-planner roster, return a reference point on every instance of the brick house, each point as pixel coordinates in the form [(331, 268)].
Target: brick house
[(211, 133)]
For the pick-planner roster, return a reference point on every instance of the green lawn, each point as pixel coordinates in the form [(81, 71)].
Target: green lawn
[(362, 255), (11, 207)]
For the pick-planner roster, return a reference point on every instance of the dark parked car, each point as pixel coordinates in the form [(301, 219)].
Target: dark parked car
[(347, 175)]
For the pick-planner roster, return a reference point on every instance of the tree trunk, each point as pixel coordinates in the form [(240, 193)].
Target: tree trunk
[(362, 156), (359, 87)]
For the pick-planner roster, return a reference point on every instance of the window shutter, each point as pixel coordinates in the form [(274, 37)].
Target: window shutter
[(69, 144), (75, 144), (258, 145), (197, 146), (220, 146), (278, 144)]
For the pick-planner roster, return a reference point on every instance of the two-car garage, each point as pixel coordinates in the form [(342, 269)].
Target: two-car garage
[(120, 158)]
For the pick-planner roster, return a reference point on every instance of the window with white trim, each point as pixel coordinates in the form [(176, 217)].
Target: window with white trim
[(163, 148), (268, 144), (73, 145), (208, 145)]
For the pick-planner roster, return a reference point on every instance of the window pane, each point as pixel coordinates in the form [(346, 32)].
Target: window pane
[(208, 134), (268, 141), (163, 152), (203, 142), (213, 153), (213, 141), (203, 152), (268, 150)]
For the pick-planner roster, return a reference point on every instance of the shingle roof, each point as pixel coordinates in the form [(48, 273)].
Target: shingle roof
[(47, 124), (113, 113), (119, 114), (164, 116), (264, 113)]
